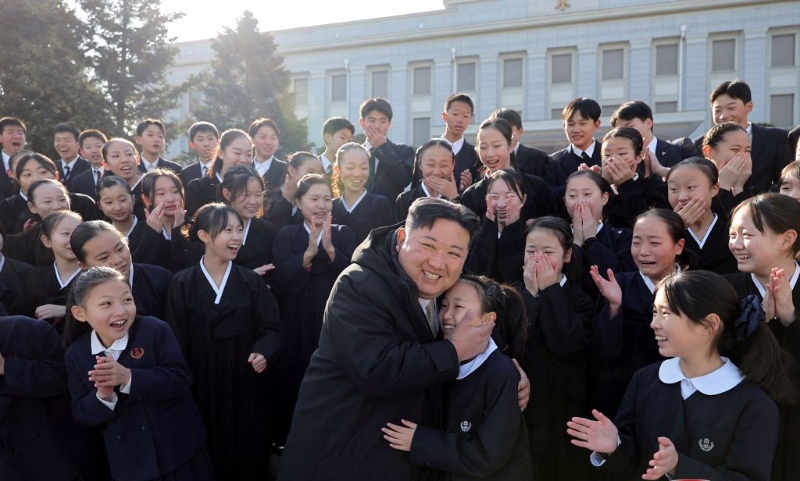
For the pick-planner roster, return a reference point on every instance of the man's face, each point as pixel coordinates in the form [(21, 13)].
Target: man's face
[(66, 145), (13, 139), (728, 109), (433, 258), (378, 121)]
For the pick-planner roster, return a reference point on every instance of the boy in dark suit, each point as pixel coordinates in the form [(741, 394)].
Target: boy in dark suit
[(390, 165), (336, 131), (638, 115), (151, 138), (12, 139), (266, 140), (203, 139), (527, 160), (91, 143), (732, 101), (457, 115), (65, 141), (580, 120)]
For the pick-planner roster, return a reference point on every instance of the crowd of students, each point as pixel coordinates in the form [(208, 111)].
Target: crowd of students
[(177, 309)]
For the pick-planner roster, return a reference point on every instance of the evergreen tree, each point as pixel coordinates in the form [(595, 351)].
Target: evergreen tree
[(43, 79), (131, 53), (247, 81)]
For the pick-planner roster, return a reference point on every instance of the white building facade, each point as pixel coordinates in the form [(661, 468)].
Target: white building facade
[(537, 55)]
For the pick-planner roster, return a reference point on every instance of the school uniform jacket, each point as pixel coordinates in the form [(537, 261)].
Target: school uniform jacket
[(714, 256), (563, 163), (499, 258), (155, 429), (12, 276), (377, 362), (668, 154), (84, 183), (726, 437), (484, 435), (149, 289), (540, 199), (190, 172), (394, 170), (404, 201), (372, 212), (38, 436), (634, 197), (11, 213), (610, 248), (275, 175), (200, 192), (81, 165), (786, 464), (530, 161), (770, 153), (7, 185), (41, 287), (162, 163), (623, 344), (278, 210)]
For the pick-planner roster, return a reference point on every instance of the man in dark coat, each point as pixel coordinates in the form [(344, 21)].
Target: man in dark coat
[(380, 358)]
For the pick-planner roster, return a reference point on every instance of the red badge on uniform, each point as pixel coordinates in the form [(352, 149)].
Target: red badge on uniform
[(137, 352)]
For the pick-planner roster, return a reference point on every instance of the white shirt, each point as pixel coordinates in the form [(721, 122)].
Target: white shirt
[(6, 160), (589, 151), (369, 148), (217, 290), (96, 171), (326, 164), (148, 167), (70, 164), (701, 242), (113, 351), (456, 145), (469, 367), (263, 167), (652, 145), (721, 380)]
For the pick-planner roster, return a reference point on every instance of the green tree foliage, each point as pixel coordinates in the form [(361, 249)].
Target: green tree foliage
[(43, 79), (247, 81), (130, 53)]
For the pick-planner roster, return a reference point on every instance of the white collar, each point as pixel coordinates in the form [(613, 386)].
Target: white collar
[(6, 160), (263, 167), (221, 288), (563, 280), (469, 367), (148, 166), (427, 192), (246, 230), (97, 347), (22, 194), (350, 209), (457, 145), (219, 177), (130, 274), (652, 145), (749, 129), (596, 231), (2, 261), (135, 221), (792, 280), (721, 380), (58, 277), (138, 181), (71, 163), (308, 229), (701, 242), (367, 145), (325, 162), (589, 150), (649, 282)]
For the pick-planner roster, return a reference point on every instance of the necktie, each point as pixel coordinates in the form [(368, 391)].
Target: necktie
[(96, 177), (430, 315), (204, 171), (586, 158), (66, 172)]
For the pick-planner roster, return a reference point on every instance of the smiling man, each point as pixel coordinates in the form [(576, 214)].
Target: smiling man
[(381, 358)]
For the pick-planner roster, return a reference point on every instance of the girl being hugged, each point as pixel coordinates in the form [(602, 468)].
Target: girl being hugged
[(97, 243), (434, 162), (697, 415), (637, 187), (138, 384), (280, 208), (228, 326), (484, 435), (692, 186), (559, 332), (161, 240), (308, 259), (494, 149), (764, 239), (585, 196), (622, 341), (244, 190), (498, 248), (354, 206), (44, 293), (235, 148)]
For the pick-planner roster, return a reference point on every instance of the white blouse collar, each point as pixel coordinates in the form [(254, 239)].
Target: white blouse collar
[(721, 380)]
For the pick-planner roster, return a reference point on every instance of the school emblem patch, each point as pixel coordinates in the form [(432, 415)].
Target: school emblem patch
[(706, 445), (466, 426), (137, 352)]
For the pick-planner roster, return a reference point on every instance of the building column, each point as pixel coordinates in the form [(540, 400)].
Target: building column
[(536, 96), (753, 70)]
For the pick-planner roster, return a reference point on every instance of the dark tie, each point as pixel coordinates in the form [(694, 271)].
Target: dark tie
[(204, 171), (66, 172), (96, 177), (586, 158)]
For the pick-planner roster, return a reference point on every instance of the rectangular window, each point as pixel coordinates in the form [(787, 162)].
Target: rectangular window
[(465, 77), (666, 60), (380, 83), (339, 88), (512, 73), (782, 110), (300, 88), (422, 81), (666, 107), (613, 64), (783, 50), (422, 130), (723, 55), (555, 114), (561, 69)]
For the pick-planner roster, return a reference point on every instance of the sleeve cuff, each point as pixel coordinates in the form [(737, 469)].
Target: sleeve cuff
[(109, 404)]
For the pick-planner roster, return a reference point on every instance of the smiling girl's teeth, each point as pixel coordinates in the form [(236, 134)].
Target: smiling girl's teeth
[(431, 275), (659, 338)]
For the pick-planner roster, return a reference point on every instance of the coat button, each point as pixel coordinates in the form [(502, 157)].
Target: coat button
[(119, 436), (144, 428)]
